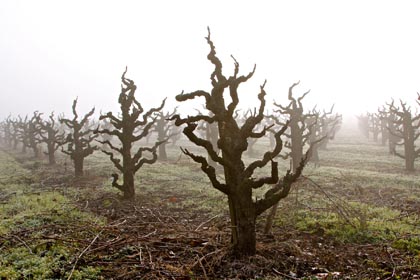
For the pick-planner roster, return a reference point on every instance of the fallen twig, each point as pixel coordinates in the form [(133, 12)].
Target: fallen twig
[(202, 267), (283, 274), (81, 254), (204, 257), (208, 221), (24, 243), (149, 234), (393, 263), (118, 224)]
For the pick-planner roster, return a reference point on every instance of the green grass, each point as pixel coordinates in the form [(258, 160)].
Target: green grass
[(27, 215), (359, 188), (359, 194), (185, 182)]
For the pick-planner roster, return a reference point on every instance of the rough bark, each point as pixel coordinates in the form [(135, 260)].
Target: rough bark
[(14, 134), (390, 120), (329, 125), (299, 134), (314, 135), (105, 124), (124, 127), (34, 132), (163, 128), (22, 132), (79, 139), (374, 126), (239, 182), (7, 132), (406, 130), (382, 116), (211, 134), (52, 137)]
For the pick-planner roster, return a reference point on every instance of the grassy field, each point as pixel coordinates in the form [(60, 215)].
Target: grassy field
[(356, 216)]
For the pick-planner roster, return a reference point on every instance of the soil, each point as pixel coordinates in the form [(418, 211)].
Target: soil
[(149, 240), (160, 239)]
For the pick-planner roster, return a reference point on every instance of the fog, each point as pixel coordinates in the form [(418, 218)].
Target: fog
[(354, 54)]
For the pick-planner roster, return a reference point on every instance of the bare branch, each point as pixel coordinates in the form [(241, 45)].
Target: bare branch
[(209, 170), (268, 155)]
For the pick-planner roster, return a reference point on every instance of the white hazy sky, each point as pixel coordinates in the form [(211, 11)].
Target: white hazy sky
[(356, 54)]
